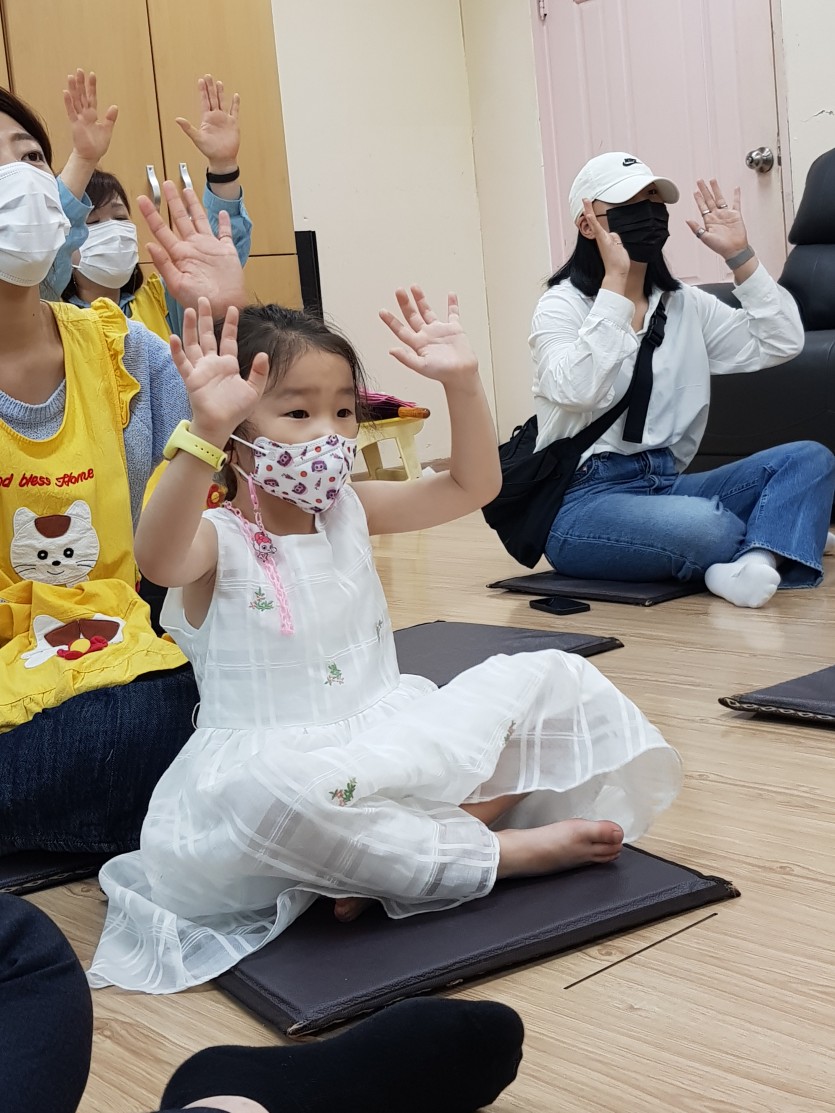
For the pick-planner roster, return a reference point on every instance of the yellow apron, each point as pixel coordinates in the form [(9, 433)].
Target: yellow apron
[(70, 618), (150, 308)]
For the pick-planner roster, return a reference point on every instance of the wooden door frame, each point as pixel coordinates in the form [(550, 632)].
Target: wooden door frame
[(782, 101)]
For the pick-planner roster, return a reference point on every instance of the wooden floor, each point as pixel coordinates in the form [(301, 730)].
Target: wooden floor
[(736, 1014)]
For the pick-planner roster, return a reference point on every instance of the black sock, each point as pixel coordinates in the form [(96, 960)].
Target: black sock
[(424, 1054)]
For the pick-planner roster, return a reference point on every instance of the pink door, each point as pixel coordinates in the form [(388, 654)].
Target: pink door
[(686, 85)]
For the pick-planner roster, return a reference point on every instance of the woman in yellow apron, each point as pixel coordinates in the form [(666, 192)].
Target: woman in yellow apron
[(93, 706)]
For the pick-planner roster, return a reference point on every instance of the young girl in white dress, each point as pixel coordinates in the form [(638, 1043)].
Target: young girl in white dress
[(316, 769)]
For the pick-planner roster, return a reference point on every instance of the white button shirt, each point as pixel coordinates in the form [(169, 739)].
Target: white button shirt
[(584, 350)]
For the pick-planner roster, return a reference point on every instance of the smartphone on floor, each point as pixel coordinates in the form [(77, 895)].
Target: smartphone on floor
[(558, 604)]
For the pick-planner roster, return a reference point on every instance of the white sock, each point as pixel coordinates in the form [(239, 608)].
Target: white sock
[(749, 581), (829, 547)]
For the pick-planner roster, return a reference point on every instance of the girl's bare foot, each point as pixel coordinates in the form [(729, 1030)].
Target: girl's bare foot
[(558, 846), (348, 908)]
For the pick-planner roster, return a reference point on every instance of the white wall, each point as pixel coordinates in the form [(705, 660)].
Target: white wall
[(808, 32), (378, 132), (498, 47)]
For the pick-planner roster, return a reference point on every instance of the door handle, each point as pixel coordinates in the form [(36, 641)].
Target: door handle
[(761, 160), (185, 177), (153, 182)]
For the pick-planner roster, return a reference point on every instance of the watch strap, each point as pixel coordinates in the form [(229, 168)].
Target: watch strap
[(183, 439)]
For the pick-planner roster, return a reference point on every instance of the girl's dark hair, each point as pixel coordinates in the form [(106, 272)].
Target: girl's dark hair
[(285, 335), (585, 270), (28, 119), (101, 188)]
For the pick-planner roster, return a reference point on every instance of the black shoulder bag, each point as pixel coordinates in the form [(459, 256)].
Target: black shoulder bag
[(534, 483)]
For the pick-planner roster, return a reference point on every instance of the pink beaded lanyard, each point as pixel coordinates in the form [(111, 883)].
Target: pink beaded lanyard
[(261, 544)]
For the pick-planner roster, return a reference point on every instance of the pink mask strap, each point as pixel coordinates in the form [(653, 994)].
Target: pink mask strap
[(266, 559)]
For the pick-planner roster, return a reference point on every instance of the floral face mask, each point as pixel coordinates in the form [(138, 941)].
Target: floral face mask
[(310, 474)]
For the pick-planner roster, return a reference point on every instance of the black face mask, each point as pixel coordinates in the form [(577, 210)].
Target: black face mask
[(642, 227)]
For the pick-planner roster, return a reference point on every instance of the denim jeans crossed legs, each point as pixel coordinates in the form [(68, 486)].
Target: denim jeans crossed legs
[(613, 526), (79, 777)]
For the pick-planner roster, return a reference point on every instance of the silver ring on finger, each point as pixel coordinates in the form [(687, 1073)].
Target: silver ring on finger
[(700, 232), (705, 212), (722, 205)]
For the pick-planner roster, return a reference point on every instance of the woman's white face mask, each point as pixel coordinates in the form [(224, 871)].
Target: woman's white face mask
[(33, 226), (110, 253)]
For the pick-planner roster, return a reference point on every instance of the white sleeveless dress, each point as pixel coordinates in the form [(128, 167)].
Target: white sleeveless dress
[(316, 768)]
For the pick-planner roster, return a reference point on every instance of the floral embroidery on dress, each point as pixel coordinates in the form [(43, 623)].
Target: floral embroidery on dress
[(345, 795), (379, 628), (334, 675), (509, 732), (261, 602)]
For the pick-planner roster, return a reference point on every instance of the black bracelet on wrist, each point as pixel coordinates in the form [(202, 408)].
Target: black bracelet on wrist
[(223, 179)]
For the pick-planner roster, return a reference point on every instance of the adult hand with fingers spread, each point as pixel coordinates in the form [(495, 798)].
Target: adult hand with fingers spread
[(434, 348), (91, 136), (720, 226), (220, 398), (194, 263), (615, 257), (218, 138)]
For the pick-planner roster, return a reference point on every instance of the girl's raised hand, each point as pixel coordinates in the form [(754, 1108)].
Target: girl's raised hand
[(436, 349), (220, 399)]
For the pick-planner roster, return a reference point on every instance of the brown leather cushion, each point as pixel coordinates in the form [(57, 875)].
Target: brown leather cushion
[(808, 699), (31, 870), (320, 972), (600, 591)]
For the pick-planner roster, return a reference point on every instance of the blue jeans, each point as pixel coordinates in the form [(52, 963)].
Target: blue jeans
[(79, 777), (612, 527)]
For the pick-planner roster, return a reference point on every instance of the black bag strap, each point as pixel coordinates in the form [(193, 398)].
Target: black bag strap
[(651, 340)]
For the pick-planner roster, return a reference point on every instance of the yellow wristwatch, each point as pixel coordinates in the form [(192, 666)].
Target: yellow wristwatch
[(183, 438)]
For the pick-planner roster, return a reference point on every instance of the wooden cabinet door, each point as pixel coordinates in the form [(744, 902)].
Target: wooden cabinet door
[(236, 43), (4, 68), (274, 278), (113, 40)]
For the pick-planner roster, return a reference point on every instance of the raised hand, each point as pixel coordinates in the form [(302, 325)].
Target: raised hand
[(615, 258), (720, 226), (435, 349), (220, 398), (90, 135), (194, 263), (218, 137)]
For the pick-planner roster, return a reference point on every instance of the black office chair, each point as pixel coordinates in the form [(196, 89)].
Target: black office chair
[(795, 401)]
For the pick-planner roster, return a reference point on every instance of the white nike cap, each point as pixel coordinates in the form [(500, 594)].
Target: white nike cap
[(614, 178)]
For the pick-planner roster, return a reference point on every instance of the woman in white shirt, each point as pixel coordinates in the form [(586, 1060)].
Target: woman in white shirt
[(746, 528)]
